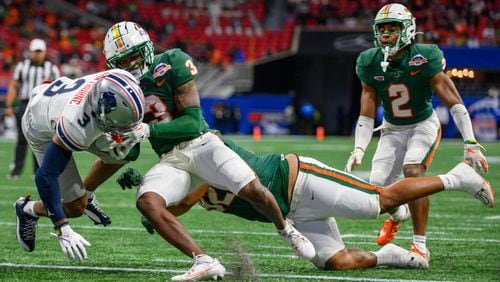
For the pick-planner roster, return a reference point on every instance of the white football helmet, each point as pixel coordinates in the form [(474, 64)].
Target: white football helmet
[(118, 102), (125, 39), (395, 13)]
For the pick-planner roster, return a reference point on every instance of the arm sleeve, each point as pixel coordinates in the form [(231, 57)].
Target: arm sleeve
[(46, 178), (363, 133), (462, 120), (188, 123)]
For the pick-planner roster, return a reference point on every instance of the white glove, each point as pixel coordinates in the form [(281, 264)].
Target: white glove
[(140, 133), (355, 159), (475, 158), (114, 145), (107, 142), (72, 243), (120, 151)]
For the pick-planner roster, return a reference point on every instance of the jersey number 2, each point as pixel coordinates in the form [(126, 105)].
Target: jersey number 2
[(402, 97)]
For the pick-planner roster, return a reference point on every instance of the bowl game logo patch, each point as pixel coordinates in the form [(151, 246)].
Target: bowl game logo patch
[(417, 60)]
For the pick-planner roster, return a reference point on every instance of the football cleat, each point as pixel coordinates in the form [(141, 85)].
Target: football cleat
[(473, 183), (391, 225), (94, 212), (300, 244), (204, 268), (424, 254), (25, 225), (388, 231), (398, 257)]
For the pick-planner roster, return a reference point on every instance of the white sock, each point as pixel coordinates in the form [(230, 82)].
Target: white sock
[(89, 194), (450, 181), (285, 229), (400, 214), (29, 208), (382, 258), (419, 241)]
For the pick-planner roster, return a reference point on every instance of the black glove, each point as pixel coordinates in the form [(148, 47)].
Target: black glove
[(129, 178), (147, 224)]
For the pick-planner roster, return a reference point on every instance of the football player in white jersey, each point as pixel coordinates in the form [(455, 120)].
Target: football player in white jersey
[(94, 113)]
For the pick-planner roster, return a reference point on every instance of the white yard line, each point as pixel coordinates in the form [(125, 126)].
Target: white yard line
[(225, 232), (166, 270)]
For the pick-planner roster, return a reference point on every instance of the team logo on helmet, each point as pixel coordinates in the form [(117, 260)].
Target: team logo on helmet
[(106, 103), (417, 60)]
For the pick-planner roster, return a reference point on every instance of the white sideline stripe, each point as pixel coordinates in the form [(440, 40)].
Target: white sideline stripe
[(263, 275)]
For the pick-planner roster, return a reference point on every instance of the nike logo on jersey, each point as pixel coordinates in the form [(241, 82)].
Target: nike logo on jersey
[(160, 83), (412, 73)]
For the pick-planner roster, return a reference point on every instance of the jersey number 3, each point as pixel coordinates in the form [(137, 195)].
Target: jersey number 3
[(401, 96)]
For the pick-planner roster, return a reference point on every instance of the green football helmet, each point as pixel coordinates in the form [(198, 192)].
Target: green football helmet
[(125, 39)]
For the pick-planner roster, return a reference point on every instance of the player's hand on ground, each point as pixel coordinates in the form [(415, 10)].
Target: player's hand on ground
[(72, 244), (474, 156), (355, 159), (129, 178)]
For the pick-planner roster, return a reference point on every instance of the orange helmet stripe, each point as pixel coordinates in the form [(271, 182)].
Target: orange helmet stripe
[(118, 37)]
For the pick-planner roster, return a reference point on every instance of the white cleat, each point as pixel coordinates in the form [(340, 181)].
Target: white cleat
[(204, 268), (474, 184), (399, 257), (300, 244)]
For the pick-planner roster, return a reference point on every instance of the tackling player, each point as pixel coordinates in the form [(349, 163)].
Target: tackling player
[(311, 194), (66, 116), (404, 76), (180, 136)]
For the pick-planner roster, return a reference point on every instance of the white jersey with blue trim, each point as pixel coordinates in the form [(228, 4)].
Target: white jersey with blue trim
[(62, 107)]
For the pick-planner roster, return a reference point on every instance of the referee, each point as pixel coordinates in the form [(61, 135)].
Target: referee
[(27, 74)]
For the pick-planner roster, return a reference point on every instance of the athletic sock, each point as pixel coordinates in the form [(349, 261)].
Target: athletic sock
[(29, 208), (450, 182), (419, 242)]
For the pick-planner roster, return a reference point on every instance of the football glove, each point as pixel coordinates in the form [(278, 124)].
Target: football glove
[(147, 224), (474, 156), (129, 178), (72, 243), (355, 159), (140, 133)]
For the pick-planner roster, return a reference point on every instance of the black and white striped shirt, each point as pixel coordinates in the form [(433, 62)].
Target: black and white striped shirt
[(30, 75)]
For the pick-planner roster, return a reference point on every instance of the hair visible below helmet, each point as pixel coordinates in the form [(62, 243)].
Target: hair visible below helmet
[(395, 13), (126, 38), (118, 102)]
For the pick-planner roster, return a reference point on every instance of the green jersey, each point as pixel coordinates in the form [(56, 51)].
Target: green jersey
[(168, 71), (272, 170), (405, 88)]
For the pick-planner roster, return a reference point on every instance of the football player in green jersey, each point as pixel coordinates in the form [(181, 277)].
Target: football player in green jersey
[(404, 76), (178, 133), (311, 194)]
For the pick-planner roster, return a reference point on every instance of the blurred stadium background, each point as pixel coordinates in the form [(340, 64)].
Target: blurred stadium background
[(286, 66)]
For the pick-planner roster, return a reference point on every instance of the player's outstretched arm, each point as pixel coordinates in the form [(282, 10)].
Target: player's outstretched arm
[(54, 162), (447, 92)]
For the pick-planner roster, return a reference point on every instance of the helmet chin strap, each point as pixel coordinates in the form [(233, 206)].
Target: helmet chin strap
[(384, 64)]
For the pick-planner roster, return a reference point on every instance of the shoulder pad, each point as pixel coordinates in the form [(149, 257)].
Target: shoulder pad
[(366, 57), (430, 51)]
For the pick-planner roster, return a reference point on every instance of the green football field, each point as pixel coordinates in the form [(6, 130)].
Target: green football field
[(463, 235)]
